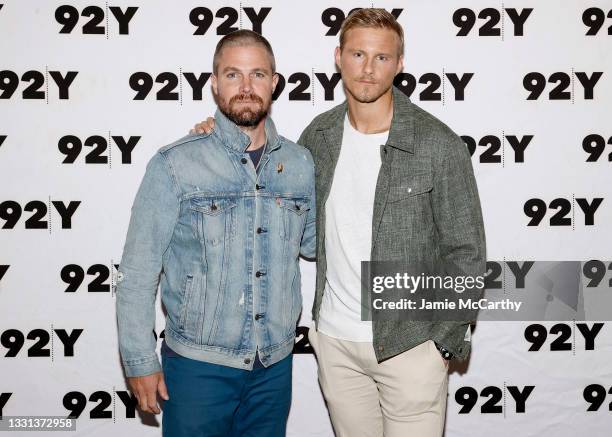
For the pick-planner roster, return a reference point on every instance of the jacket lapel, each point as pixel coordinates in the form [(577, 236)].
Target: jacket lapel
[(331, 130), (401, 138)]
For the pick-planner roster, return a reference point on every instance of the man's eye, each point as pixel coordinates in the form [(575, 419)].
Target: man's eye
[(231, 75), (382, 58), (357, 55), (259, 75)]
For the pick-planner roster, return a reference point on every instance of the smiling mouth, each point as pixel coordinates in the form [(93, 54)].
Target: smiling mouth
[(368, 82)]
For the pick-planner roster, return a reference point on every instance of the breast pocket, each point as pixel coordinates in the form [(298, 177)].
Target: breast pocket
[(293, 218), (214, 219), (410, 187)]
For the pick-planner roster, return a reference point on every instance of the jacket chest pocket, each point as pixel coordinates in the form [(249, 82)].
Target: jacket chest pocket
[(407, 187), (214, 219), (292, 218)]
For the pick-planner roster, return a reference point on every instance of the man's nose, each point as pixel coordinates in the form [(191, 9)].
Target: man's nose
[(245, 85), (368, 66)]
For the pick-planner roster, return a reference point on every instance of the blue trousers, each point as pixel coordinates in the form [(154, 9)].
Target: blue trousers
[(209, 400)]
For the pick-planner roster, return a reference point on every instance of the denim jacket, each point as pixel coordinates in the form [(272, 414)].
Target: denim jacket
[(224, 241)]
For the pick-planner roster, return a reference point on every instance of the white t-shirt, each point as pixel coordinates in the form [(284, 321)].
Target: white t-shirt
[(348, 233)]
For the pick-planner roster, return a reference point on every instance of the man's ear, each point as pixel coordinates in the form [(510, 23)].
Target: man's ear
[(213, 83), (337, 54), (400, 65), (274, 82)]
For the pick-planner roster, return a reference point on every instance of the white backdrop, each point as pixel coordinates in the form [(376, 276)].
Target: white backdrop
[(58, 338)]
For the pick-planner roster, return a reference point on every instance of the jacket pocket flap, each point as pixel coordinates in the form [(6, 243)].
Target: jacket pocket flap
[(297, 205), (211, 205), (410, 187)]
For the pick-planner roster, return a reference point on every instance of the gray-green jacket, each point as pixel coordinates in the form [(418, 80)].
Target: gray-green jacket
[(426, 206)]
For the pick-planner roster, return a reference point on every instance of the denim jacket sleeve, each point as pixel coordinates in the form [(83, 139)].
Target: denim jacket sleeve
[(154, 216)]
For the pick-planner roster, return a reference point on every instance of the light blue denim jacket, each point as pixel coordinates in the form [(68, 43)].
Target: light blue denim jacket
[(224, 240)]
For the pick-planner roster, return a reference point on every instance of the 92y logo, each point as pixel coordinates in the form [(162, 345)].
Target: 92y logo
[(14, 340), (594, 145), (9, 82), (594, 19), (68, 16), (595, 271), (465, 20), (536, 210), (142, 82), (468, 398), (493, 145), (536, 334), (202, 18), (595, 395), (303, 84), (76, 402), (334, 17), (71, 146), (535, 83), (74, 275), (407, 83), (11, 211)]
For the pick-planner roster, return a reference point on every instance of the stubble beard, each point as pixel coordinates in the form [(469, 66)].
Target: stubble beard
[(367, 95)]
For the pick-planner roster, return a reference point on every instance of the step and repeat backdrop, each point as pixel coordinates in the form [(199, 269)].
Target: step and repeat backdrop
[(89, 90)]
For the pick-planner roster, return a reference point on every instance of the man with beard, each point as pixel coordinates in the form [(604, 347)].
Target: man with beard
[(224, 217), (393, 183)]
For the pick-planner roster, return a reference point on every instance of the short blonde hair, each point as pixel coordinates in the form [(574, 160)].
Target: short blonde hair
[(374, 18)]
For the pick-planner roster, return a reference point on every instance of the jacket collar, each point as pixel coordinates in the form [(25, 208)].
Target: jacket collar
[(401, 133), (235, 139)]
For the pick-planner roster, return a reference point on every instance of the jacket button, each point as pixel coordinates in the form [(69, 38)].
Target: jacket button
[(258, 274), (247, 360), (259, 230), (259, 187), (244, 160), (258, 316), (213, 207), (381, 348)]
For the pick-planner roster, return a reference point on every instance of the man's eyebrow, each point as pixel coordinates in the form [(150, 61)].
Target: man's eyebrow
[(353, 50), (254, 70)]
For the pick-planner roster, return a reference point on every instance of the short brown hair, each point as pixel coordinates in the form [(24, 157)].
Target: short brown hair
[(375, 18), (241, 38)]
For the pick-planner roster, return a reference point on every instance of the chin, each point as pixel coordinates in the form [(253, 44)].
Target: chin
[(368, 94)]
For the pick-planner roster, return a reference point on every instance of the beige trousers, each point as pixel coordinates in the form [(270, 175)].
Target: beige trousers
[(404, 396)]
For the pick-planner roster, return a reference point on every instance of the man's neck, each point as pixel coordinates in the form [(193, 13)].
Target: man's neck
[(256, 134), (371, 118)]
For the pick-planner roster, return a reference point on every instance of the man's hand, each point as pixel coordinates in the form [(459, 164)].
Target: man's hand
[(204, 127), (145, 388), (446, 362)]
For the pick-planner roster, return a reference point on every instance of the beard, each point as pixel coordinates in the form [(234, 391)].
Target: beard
[(245, 117)]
